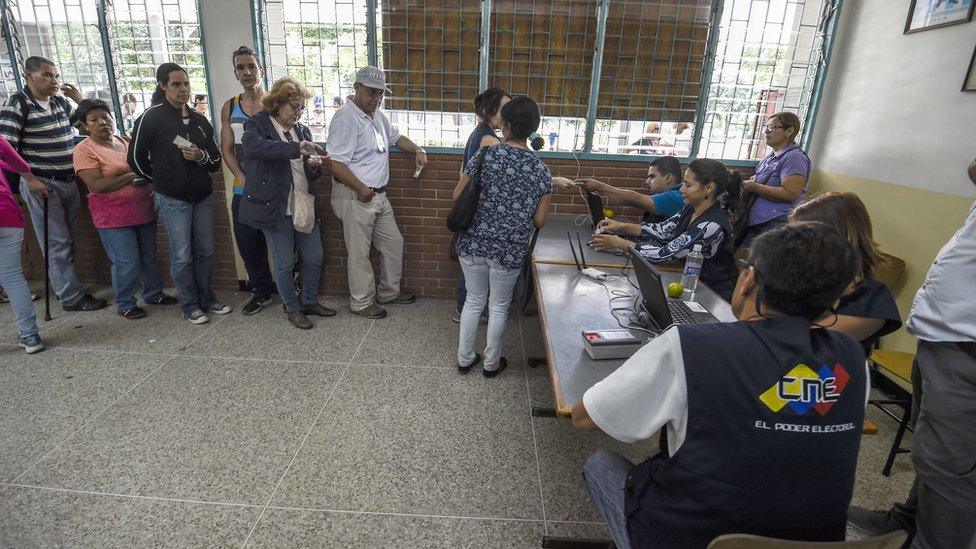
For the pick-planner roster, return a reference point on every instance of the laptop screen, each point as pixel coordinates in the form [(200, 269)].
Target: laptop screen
[(595, 204), (649, 280)]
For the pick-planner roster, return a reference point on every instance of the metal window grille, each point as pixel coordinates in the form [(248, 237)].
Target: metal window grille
[(653, 65), (767, 60), (144, 34), (430, 51), (66, 32), (8, 80), (673, 80), (320, 43)]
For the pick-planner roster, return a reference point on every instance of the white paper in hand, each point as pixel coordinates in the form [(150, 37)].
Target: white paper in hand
[(182, 142)]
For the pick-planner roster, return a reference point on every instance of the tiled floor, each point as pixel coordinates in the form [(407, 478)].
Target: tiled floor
[(247, 432)]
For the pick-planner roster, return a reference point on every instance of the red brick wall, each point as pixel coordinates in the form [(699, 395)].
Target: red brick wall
[(421, 205)]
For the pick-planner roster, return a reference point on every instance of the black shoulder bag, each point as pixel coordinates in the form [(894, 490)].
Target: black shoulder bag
[(462, 213)]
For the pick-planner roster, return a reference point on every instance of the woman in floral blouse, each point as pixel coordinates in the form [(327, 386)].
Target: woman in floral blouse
[(514, 200)]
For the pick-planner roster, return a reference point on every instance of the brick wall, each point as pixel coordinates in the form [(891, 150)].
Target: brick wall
[(421, 205)]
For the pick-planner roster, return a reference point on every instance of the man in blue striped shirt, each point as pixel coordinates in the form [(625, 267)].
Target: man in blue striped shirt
[(36, 121)]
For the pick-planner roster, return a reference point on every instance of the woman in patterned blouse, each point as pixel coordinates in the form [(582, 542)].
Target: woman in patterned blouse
[(514, 200), (709, 190)]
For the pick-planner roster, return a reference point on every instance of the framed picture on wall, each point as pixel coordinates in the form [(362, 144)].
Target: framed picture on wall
[(932, 14), (969, 84)]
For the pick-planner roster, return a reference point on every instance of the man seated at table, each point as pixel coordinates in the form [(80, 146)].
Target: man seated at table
[(663, 181), (762, 416)]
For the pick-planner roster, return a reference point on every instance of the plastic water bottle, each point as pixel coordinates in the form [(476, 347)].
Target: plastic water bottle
[(693, 266)]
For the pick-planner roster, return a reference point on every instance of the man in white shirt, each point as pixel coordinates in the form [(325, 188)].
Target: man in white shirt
[(761, 417), (941, 507), (360, 137)]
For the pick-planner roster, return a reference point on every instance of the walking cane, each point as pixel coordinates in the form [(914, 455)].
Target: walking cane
[(47, 268)]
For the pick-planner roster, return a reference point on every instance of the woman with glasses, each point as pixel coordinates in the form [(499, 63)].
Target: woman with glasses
[(280, 163), (779, 183)]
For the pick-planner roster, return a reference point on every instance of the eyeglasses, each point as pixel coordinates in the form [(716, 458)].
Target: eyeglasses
[(743, 264), (297, 107), (774, 127)]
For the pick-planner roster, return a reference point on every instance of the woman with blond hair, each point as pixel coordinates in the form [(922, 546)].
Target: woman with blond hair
[(281, 162), (867, 310), (779, 183)]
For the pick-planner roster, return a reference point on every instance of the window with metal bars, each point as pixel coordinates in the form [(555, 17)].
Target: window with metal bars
[(320, 43), (767, 59), (672, 78), (144, 34), (67, 33)]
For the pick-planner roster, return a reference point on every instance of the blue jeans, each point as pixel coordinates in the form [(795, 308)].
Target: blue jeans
[(605, 478), (253, 248), (189, 229), (283, 239), (12, 280), (485, 277), (132, 251), (62, 210)]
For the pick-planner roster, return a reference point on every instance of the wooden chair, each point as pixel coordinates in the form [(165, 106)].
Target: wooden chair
[(895, 370), (893, 540)]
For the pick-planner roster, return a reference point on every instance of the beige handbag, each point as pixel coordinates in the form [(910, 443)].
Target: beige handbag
[(302, 210)]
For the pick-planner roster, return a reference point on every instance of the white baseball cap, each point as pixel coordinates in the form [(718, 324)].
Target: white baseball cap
[(372, 77)]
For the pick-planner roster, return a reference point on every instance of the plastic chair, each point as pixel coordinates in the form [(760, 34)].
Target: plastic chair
[(893, 540)]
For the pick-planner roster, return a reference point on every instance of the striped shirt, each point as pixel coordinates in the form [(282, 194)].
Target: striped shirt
[(48, 138)]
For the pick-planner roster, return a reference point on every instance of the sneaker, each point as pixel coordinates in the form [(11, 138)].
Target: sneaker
[(299, 320), (162, 299), (374, 311), (400, 299), (133, 313), (219, 308), (318, 310), (197, 317), (465, 369), (85, 303), (3, 296), (502, 364), (872, 523), (456, 317), (32, 344), (254, 304)]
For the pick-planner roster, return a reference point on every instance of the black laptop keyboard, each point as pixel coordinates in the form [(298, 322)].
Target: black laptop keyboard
[(681, 314)]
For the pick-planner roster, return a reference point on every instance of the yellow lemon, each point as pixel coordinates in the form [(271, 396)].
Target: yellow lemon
[(608, 213), (675, 289)]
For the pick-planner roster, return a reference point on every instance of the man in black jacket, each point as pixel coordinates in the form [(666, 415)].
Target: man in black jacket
[(174, 147)]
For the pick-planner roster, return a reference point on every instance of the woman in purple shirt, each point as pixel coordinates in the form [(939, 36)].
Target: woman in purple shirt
[(780, 181)]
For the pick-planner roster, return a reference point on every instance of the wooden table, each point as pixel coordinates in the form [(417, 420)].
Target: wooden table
[(569, 303)]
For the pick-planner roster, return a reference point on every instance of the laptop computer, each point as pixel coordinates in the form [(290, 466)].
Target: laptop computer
[(663, 311), (595, 205)]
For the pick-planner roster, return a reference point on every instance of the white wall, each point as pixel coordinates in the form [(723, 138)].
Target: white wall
[(892, 109), (226, 26)]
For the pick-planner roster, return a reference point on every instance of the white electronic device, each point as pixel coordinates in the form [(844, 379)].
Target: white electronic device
[(607, 344), (182, 142), (584, 270)]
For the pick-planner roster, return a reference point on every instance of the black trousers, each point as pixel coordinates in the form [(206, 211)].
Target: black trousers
[(254, 252)]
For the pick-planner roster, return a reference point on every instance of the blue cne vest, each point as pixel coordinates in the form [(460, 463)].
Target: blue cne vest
[(774, 424)]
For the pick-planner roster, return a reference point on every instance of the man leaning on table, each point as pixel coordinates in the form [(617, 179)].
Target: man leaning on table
[(360, 137)]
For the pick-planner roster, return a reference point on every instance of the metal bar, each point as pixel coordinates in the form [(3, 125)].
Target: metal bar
[(604, 157), (110, 65), (8, 30), (821, 77), (713, 27), (257, 33), (601, 33), (372, 53), (206, 73), (485, 44)]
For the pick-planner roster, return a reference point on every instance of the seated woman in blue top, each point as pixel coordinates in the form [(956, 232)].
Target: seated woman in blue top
[(867, 310), (779, 183), (709, 190), (514, 200), (663, 181)]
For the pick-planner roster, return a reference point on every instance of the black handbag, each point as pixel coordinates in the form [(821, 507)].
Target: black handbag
[(462, 213)]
